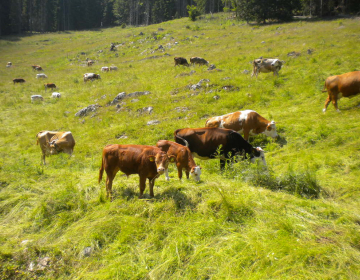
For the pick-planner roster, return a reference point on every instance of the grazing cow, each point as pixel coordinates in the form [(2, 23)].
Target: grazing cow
[(38, 76), (18, 81), (211, 142), (91, 77), (198, 60), (246, 122), (183, 159), (266, 65), (38, 68), (345, 85), (113, 68), (35, 66), (181, 61), (9, 64), (54, 142), (56, 95), (36, 98), (52, 86), (146, 161), (90, 62), (105, 69)]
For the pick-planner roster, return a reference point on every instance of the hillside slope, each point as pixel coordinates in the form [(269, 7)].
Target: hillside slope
[(297, 219)]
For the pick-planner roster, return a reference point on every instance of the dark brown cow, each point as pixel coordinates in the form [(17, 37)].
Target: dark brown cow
[(52, 86), (209, 143), (181, 61), (17, 81), (345, 85), (54, 142), (184, 159), (198, 60), (247, 122), (146, 161)]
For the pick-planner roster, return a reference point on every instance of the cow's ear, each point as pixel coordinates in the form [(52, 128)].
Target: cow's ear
[(172, 158), (152, 158)]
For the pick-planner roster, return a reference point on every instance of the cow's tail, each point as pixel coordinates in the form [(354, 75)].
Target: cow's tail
[(101, 171), (182, 139), (324, 89)]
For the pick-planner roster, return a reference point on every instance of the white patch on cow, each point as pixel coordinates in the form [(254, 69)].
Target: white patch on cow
[(196, 174), (43, 134), (243, 117), (261, 157), (271, 133), (65, 134)]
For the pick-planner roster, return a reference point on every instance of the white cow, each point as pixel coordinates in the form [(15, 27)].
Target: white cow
[(104, 69), (56, 95), (266, 65), (91, 76), (36, 98), (38, 76)]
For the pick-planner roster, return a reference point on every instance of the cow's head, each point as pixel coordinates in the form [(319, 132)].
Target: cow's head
[(162, 161), (98, 76), (258, 154), (271, 130), (54, 148), (195, 173)]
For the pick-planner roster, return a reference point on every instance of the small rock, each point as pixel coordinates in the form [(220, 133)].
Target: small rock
[(148, 110), (121, 136), (263, 42), (153, 122), (118, 106), (83, 112), (310, 51), (83, 53), (211, 67), (138, 93), (141, 33), (31, 266), (103, 97), (181, 109), (226, 78), (44, 262), (118, 98), (100, 51), (246, 71), (86, 252), (134, 100), (24, 242), (160, 29), (216, 97)]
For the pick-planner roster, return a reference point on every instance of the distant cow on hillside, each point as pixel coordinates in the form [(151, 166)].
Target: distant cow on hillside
[(181, 61), (51, 86), (267, 65), (91, 76), (9, 64), (199, 61), (18, 81)]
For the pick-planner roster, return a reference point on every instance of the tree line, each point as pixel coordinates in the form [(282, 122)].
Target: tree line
[(27, 16)]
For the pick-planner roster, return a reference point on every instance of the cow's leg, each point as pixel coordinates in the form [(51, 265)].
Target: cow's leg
[(327, 103), (151, 186), (142, 185), (43, 158), (187, 173), (246, 135), (179, 171), (109, 181), (334, 102)]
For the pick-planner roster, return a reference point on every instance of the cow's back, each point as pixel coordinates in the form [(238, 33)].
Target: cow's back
[(349, 83)]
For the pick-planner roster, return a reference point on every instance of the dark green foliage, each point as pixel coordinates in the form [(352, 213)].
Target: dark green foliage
[(193, 12)]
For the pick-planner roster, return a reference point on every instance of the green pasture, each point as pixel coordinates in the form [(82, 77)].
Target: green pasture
[(298, 218)]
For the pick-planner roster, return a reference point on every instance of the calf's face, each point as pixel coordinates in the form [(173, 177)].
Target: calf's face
[(162, 161), (271, 130), (195, 173), (258, 154)]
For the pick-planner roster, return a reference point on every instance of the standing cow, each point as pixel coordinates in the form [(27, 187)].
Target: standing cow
[(210, 142), (54, 142), (91, 77), (183, 159), (198, 60), (246, 122), (345, 85), (267, 65), (181, 61), (148, 162), (51, 86)]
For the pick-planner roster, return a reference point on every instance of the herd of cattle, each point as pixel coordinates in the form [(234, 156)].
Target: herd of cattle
[(220, 138)]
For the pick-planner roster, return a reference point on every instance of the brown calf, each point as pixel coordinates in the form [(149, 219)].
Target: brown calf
[(184, 159), (147, 161)]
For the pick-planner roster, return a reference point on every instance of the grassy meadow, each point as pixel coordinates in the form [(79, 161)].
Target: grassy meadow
[(297, 219)]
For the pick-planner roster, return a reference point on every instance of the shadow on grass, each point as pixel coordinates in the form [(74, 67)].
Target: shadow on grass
[(181, 200)]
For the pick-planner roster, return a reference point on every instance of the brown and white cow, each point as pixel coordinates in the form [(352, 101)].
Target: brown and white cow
[(246, 122), (267, 65), (183, 159), (91, 77), (35, 66), (345, 85), (181, 61), (54, 142), (18, 81), (39, 68), (105, 69), (89, 62), (51, 86), (148, 162), (211, 142), (9, 64), (198, 60)]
